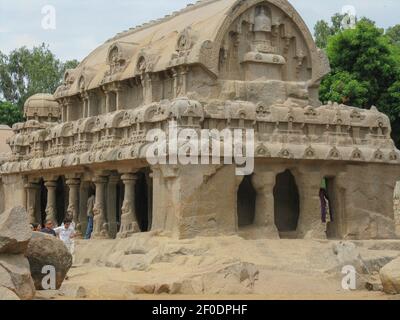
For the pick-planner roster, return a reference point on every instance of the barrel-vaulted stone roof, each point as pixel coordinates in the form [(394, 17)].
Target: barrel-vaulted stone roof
[(193, 35)]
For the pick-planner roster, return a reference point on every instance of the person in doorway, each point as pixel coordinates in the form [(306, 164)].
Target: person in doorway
[(90, 215), (66, 234), (49, 228), (325, 206)]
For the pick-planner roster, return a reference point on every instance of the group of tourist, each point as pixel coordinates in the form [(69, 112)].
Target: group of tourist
[(66, 232)]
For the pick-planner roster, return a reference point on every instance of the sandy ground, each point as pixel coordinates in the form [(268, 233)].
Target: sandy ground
[(287, 269)]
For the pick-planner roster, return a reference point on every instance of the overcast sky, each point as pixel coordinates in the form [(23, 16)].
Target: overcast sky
[(82, 25)]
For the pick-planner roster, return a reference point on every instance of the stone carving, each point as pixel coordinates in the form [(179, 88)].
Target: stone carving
[(257, 69)]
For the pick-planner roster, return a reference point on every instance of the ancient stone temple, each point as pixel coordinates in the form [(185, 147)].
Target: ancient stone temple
[(217, 64)]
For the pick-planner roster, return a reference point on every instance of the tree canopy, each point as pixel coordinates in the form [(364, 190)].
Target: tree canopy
[(365, 71), (25, 72)]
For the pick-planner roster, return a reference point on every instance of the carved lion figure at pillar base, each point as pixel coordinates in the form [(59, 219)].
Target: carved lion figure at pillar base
[(100, 226), (129, 225)]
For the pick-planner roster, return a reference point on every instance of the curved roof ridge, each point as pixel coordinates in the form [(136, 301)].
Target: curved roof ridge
[(152, 23)]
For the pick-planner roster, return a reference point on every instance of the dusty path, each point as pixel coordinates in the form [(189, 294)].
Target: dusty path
[(154, 267)]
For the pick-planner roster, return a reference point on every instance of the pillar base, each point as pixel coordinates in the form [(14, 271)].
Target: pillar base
[(317, 231), (78, 231), (128, 226)]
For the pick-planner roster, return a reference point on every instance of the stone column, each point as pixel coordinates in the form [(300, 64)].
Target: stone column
[(310, 222), (111, 205), (129, 224), (73, 206), (100, 225), (107, 94), (118, 98), (51, 207), (397, 209), (264, 184), (31, 195)]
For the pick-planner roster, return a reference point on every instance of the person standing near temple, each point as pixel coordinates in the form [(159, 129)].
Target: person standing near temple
[(66, 234), (48, 228), (90, 215)]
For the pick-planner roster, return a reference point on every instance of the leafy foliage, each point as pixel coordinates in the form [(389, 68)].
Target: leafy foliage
[(365, 71), (9, 114), (393, 34), (26, 72)]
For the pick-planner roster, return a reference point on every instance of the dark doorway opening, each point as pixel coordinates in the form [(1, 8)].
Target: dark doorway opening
[(332, 229), (42, 201), (287, 203), (143, 200), (61, 198), (246, 203), (119, 202)]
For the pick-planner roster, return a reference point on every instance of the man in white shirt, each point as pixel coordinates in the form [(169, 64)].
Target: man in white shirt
[(66, 234)]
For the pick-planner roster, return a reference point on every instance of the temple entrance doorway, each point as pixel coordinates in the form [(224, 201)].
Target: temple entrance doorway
[(144, 200), (246, 203), (61, 200), (329, 208), (287, 204)]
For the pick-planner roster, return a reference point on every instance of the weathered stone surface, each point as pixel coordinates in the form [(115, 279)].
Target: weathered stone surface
[(73, 291), (15, 276), (6, 294), (390, 277), (348, 254), (203, 76), (45, 250), (15, 232)]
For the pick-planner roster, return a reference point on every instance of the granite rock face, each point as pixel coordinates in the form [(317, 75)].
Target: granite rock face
[(15, 276), (15, 232)]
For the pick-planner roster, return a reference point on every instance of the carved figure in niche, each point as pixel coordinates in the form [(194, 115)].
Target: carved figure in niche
[(262, 20)]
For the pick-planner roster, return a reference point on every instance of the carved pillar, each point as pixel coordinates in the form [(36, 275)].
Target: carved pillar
[(310, 222), (111, 205), (264, 183), (85, 99), (183, 85), (51, 207), (175, 77), (89, 106), (397, 209), (73, 206), (68, 111), (107, 94), (31, 196), (100, 225), (129, 224), (147, 88), (118, 94)]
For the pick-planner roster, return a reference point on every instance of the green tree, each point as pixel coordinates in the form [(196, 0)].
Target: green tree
[(393, 34), (322, 30), (365, 71), (9, 114), (25, 72)]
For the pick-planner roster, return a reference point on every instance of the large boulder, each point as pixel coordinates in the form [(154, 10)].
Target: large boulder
[(16, 277), (46, 250), (15, 231), (390, 277)]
